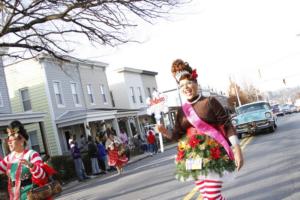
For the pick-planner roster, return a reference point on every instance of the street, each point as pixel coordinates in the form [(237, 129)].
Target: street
[(271, 172)]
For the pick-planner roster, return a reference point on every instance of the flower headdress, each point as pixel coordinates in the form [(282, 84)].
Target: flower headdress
[(181, 69), (17, 128), (12, 131)]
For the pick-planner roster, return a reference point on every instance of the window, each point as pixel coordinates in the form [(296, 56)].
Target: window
[(1, 100), (58, 93), (75, 94), (112, 99), (90, 94), (103, 93), (25, 99), (140, 95), (132, 94), (149, 92), (34, 142)]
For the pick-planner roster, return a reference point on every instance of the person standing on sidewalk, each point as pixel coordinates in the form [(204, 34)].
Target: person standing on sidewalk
[(205, 133), (93, 155), (116, 154), (102, 154), (125, 142), (79, 167), (151, 140), (123, 137)]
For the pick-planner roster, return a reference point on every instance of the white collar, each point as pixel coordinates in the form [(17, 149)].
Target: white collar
[(197, 99)]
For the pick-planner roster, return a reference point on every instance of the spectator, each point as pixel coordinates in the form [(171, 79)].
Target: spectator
[(142, 144), (151, 140), (111, 130), (102, 154), (82, 143), (125, 141), (79, 167), (93, 155), (123, 137)]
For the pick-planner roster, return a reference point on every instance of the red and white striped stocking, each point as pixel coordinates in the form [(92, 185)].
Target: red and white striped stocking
[(210, 189)]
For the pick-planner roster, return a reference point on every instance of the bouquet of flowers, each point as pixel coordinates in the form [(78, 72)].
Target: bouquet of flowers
[(198, 154)]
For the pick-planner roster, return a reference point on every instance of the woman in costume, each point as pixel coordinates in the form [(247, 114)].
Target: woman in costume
[(204, 133), (23, 167), (116, 152)]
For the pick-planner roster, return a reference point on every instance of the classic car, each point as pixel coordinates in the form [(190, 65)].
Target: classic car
[(254, 117)]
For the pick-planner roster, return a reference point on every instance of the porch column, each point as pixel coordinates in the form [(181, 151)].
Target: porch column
[(170, 119), (87, 129), (129, 127), (42, 129), (115, 125), (140, 132)]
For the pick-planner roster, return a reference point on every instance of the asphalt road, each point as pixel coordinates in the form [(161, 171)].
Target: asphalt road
[(272, 168), (271, 172)]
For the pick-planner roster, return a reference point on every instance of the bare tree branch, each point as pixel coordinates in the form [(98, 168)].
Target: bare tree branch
[(42, 26)]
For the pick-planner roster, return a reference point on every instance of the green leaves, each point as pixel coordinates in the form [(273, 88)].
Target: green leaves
[(203, 150)]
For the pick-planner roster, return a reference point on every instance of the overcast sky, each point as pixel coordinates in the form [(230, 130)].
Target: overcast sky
[(220, 38)]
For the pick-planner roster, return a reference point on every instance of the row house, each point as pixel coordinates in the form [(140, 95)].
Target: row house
[(131, 88), (75, 96), (34, 119)]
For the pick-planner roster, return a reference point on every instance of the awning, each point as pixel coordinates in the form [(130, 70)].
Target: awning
[(80, 116), (25, 118)]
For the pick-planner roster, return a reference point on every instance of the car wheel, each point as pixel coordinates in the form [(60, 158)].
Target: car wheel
[(272, 128), (239, 135)]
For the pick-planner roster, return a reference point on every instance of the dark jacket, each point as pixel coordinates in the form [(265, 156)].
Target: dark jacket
[(75, 151), (92, 150), (101, 150)]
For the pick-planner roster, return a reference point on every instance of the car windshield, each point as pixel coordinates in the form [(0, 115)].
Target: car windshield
[(252, 107)]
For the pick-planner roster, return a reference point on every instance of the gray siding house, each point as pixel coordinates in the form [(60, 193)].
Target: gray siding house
[(75, 95), (28, 119), (4, 98)]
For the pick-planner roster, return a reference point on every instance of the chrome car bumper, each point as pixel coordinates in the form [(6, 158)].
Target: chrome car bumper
[(255, 126)]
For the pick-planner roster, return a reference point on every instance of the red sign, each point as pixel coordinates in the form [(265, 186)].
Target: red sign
[(156, 100)]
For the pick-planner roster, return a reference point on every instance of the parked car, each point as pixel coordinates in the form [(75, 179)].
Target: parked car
[(277, 110), (254, 117), (293, 108), (297, 104), (286, 109)]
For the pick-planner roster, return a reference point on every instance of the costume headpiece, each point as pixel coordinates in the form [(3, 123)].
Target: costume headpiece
[(16, 127), (12, 131), (181, 69), (179, 74)]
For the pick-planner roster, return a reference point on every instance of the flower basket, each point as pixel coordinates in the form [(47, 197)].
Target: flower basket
[(198, 155)]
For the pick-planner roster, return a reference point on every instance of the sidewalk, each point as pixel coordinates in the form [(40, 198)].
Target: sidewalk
[(132, 160)]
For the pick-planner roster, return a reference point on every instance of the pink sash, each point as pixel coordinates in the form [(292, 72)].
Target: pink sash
[(206, 128)]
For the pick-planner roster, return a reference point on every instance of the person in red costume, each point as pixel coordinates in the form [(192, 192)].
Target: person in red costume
[(24, 167), (116, 154)]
